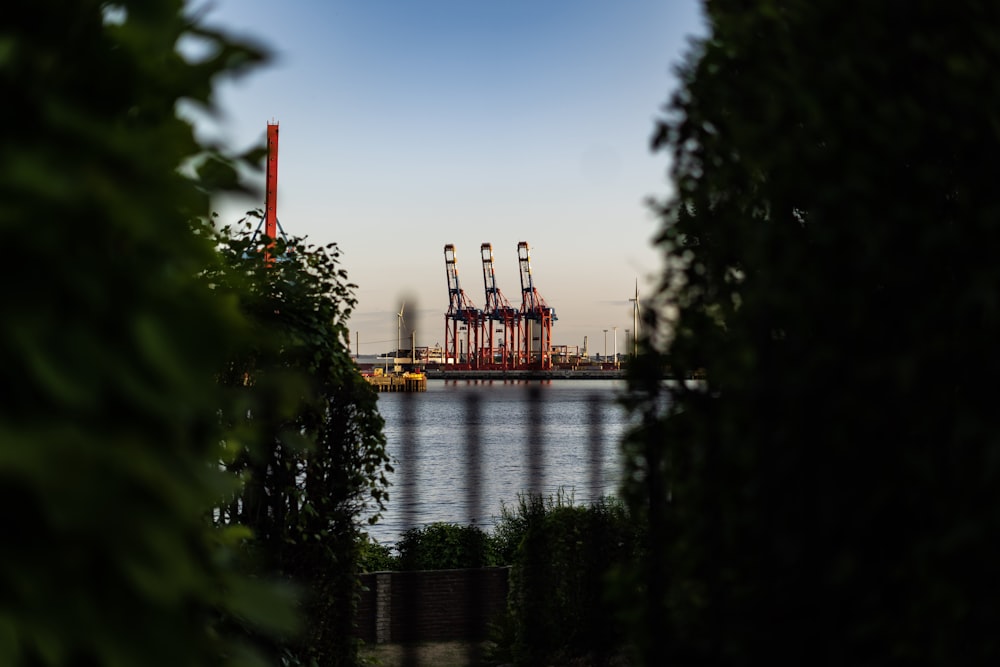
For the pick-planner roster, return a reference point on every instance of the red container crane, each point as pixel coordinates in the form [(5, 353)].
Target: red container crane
[(499, 317), (536, 315), (461, 312)]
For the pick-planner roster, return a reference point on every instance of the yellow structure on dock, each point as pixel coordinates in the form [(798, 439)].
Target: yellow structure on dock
[(404, 382)]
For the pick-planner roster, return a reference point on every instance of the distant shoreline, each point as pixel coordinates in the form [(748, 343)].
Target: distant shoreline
[(554, 374)]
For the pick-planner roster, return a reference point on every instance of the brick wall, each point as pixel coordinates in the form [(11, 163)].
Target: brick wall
[(430, 605)]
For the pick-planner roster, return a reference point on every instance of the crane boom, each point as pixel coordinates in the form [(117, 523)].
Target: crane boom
[(529, 295), (531, 300), (493, 296), (454, 288)]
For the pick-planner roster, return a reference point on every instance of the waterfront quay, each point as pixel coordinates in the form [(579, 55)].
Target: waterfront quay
[(404, 382), (550, 374)]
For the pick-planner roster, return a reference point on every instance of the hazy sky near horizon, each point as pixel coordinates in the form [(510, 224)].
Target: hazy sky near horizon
[(408, 125)]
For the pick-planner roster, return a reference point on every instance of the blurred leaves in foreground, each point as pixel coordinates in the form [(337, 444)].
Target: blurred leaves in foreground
[(110, 345)]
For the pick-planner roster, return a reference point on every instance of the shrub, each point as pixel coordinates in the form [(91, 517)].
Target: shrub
[(558, 608), (443, 546), (374, 556), (512, 525)]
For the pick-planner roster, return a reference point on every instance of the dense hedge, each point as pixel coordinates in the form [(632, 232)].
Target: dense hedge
[(443, 546), (563, 559), (561, 606), (830, 494)]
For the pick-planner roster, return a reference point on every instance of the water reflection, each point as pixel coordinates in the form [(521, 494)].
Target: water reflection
[(471, 445)]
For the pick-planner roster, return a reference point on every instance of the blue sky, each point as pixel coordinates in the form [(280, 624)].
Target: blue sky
[(405, 126)]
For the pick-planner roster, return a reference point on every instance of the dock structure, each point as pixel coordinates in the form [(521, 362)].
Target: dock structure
[(404, 382), (527, 375)]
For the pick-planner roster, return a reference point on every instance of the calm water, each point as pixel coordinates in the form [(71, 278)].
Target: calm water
[(538, 436)]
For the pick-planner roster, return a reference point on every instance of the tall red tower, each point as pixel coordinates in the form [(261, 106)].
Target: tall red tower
[(271, 188)]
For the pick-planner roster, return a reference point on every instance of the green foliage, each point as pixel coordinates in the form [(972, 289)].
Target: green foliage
[(829, 494), (108, 347), (374, 556), (320, 461), (443, 546), (512, 525), (559, 604), (563, 558)]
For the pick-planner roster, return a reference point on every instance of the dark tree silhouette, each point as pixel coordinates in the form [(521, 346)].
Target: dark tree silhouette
[(830, 493), (318, 462)]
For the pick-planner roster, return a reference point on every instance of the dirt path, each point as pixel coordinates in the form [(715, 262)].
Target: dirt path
[(429, 654)]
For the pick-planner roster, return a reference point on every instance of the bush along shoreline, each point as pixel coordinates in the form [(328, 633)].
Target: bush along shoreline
[(563, 559)]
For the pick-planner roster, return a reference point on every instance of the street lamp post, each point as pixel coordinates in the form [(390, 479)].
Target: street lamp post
[(635, 321), (605, 357), (628, 350)]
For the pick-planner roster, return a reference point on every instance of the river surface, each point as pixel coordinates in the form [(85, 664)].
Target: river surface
[(532, 436)]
